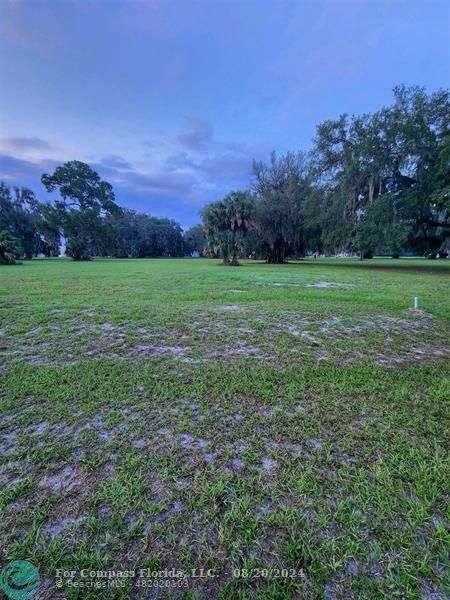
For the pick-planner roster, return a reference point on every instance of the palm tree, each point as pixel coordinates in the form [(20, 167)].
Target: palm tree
[(225, 224), (240, 209), (215, 228)]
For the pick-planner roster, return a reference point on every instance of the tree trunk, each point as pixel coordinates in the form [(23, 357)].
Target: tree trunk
[(7, 257), (371, 189), (277, 253), (234, 255)]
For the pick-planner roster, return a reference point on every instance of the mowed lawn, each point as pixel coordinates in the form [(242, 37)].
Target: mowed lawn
[(284, 427)]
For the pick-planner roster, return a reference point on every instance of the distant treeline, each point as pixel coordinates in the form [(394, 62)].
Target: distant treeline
[(86, 217), (371, 183)]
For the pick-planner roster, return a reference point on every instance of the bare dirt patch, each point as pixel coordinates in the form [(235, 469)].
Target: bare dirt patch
[(330, 284), (57, 528), (63, 480)]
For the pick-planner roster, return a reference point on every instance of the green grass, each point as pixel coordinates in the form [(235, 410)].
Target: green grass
[(285, 423)]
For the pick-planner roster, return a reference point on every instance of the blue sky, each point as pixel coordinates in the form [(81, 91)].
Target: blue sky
[(170, 100)]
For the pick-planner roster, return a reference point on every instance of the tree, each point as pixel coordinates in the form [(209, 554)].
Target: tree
[(419, 169), (281, 188), (396, 152), (48, 225), (9, 248), (85, 200), (226, 223), (366, 239), (195, 239), (135, 235), (348, 167), (23, 216), (381, 230)]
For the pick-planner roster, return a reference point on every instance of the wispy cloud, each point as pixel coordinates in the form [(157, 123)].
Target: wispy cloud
[(227, 168), (198, 137), (18, 171), (115, 161), (160, 182), (18, 144)]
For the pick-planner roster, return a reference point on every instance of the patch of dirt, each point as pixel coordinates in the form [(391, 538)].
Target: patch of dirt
[(208, 458), (104, 433), (56, 528), (237, 464), (313, 443), (8, 444), (293, 330), (34, 331), (268, 464), (241, 348), (264, 508), (232, 307), (41, 428), (329, 284), (430, 592), (63, 480)]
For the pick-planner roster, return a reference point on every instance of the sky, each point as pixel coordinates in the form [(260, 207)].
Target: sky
[(171, 100)]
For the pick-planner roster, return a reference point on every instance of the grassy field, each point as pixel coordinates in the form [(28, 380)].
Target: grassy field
[(284, 427)]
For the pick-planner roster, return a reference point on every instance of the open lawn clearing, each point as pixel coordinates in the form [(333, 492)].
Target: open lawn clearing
[(175, 413)]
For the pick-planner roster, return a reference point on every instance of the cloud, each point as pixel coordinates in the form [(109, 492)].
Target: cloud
[(199, 136), (224, 165), (219, 166), (18, 171), (161, 182), (162, 179), (181, 161), (24, 172), (115, 161), (18, 144), (225, 168), (230, 168)]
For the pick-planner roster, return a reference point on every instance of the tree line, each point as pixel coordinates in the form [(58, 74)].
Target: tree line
[(86, 216), (371, 183)]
